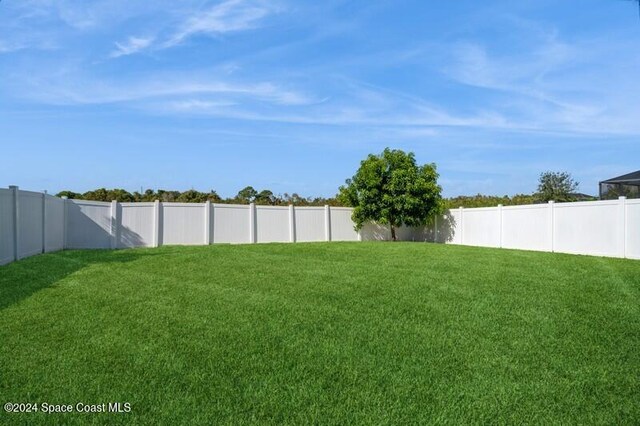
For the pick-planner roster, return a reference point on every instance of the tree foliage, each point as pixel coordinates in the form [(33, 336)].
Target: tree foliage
[(103, 194), (620, 190), (556, 186), (245, 196), (480, 200), (193, 196), (392, 189), (69, 194), (265, 197)]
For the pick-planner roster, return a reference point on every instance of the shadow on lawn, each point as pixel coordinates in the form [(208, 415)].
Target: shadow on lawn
[(19, 280)]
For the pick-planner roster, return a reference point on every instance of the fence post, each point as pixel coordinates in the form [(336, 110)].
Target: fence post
[(461, 210), (551, 226), (327, 223), (292, 224), (156, 223), (623, 224), (435, 229), (207, 222), (15, 192), (44, 222), (252, 223), (65, 201), (500, 223), (114, 225)]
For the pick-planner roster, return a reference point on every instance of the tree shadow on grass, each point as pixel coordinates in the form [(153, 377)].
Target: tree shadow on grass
[(19, 280)]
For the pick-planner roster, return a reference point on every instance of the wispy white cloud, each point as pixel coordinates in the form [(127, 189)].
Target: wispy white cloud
[(6, 46), (385, 112), (197, 90), (543, 86), (225, 17), (527, 89), (228, 16), (132, 45), (87, 16), (191, 104), (33, 43)]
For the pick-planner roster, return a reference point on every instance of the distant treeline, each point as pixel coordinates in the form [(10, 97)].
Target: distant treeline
[(516, 200), (267, 197), (489, 200), (244, 196)]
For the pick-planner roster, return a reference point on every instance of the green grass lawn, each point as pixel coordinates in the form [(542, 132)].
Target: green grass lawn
[(338, 333)]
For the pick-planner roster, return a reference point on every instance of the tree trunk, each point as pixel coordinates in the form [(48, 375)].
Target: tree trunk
[(393, 233)]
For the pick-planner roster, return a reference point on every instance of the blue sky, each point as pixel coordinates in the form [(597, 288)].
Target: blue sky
[(291, 95)]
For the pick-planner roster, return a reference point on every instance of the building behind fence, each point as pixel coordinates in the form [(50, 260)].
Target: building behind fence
[(33, 223)]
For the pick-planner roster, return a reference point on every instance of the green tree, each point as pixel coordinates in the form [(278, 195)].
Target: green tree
[(391, 189), (99, 194), (620, 190), (265, 197), (120, 195), (193, 196), (480, 200), (294, 199), (69, 194), (147, 196), (168, 196), (108, 195), (556, 186), (247, 195)]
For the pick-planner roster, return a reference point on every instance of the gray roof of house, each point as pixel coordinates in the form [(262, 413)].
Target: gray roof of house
[(628, 178)]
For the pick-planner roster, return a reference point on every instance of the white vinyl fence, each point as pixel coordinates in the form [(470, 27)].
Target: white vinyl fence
[(33, 223), (30, 223), (95, 224), (46, 223), (599, 228)]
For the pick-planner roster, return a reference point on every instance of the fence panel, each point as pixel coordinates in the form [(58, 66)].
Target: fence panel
[(182, 224), (405, 233), (88, 224), (31, 223), (449, 227), (54, 224), (272, 224), (422, 233), (481, 227), (633, 229), (6, 226), (230, 223), (309, 224), (136, 224), (592, 227), (342, 225), (527, 227), (375, 232)]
